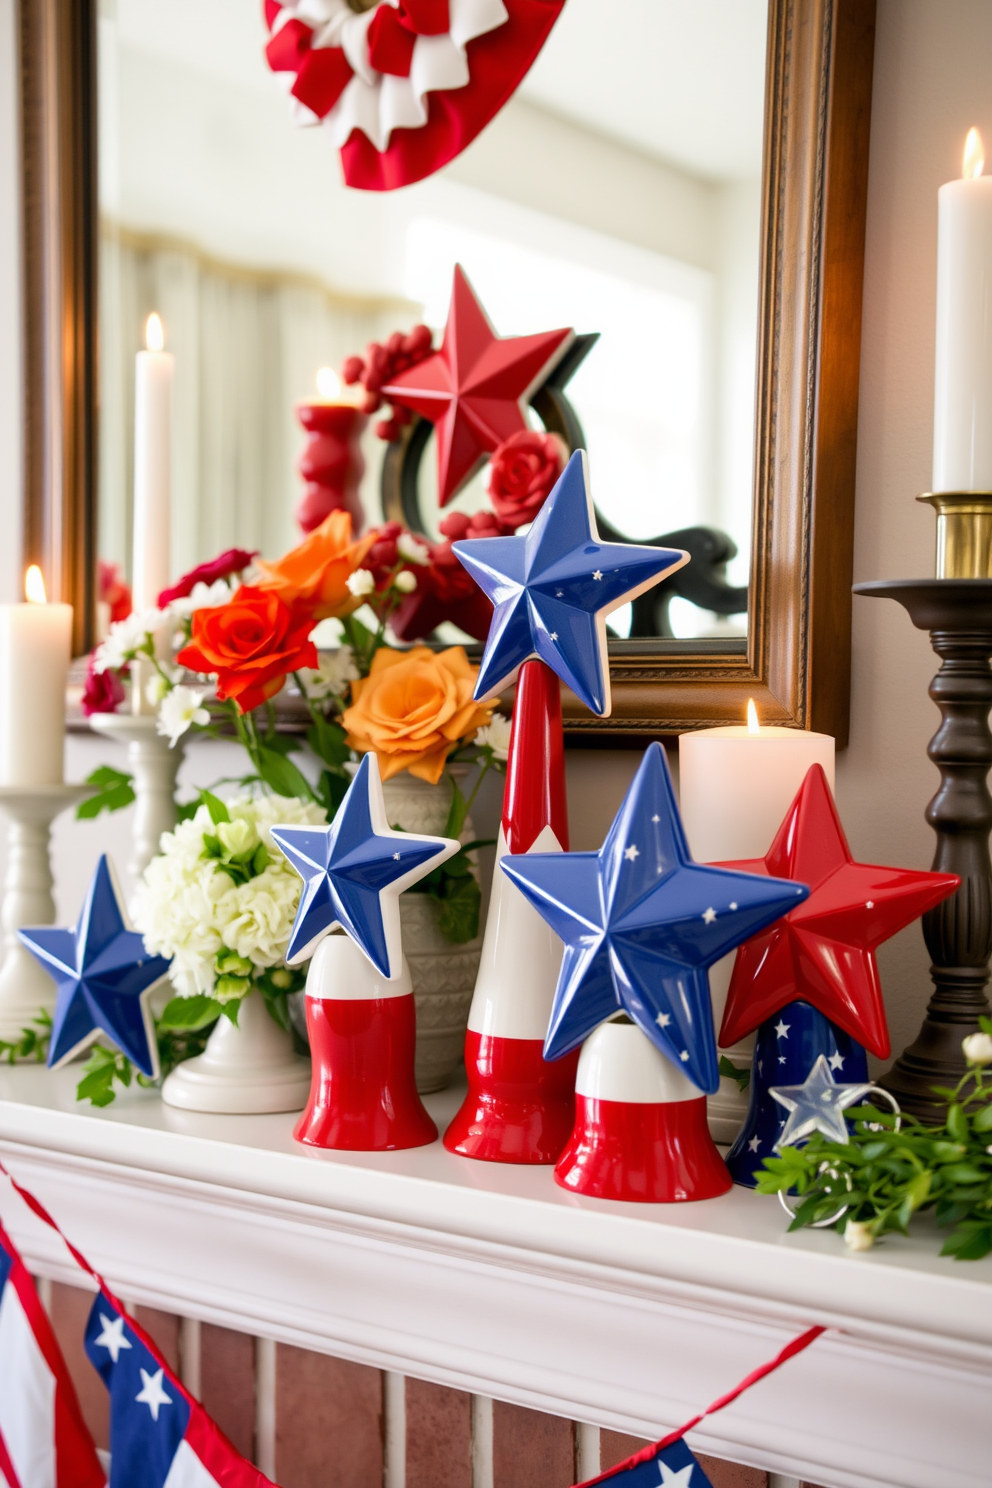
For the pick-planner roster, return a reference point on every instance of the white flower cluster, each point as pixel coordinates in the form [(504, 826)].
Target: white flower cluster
[(337, 668), (495, 735), (188, 908)]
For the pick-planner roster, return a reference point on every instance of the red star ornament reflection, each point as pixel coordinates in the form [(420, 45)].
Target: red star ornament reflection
[(823, 952), (475, 389)]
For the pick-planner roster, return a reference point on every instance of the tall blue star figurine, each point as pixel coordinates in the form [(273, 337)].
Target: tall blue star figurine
[(553, 589), (642, 924), (104, 978), (354, 871)]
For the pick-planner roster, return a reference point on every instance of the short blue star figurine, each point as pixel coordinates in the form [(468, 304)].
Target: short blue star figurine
[(642, 924), (104, 978), (553, 589), (354, 871)]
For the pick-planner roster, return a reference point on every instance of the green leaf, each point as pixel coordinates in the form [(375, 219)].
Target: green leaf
[(963, 1173), (281, 775), (332, 787), (113, 792), (230, 1010), (329, 742), (968, 1243), (458, 916), (982, 1122), (218, 811), (190, 1012), (457, 811), (731, 1071), (957, 1123)]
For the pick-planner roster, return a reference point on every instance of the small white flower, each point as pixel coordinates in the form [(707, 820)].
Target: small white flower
[(180, 708), (859, 1235), (336, 670), (405, 581), (977, 1048), (413, 551), (124, 639), (361, 582), (202, 597), (156, 688), (495, 735)]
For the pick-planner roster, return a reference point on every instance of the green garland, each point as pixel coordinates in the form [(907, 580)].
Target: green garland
[(895, 1167)]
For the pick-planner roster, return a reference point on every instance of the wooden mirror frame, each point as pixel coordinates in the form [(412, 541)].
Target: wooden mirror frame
[(796, 660)]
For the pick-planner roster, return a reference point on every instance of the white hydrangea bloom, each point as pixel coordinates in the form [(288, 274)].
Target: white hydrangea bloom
[(496, 736), (337, 668), (361, 582), (201, 597), (187, 908)]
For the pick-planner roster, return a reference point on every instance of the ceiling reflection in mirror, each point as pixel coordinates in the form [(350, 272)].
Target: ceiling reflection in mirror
[(618, 193)]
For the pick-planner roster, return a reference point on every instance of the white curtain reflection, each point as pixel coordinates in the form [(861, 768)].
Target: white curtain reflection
[(247, 345)]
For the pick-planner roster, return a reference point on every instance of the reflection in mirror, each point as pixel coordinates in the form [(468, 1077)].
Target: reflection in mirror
[(618, 193)]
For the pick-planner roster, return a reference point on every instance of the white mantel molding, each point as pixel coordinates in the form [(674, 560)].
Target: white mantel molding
[(492, 1279)]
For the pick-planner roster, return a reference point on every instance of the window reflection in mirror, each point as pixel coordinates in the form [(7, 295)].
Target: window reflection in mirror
[(618, 192)]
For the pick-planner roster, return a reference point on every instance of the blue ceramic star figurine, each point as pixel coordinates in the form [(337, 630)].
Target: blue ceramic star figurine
[(104, 977), (818, 1104), (553, 589), (642, 924), (354, 871)]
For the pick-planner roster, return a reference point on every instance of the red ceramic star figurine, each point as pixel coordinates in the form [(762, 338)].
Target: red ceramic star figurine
[(824, 951), (474, 390)]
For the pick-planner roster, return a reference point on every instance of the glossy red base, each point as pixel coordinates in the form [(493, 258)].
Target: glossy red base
[(520, 1108), (363, 1097), (648, 1154)]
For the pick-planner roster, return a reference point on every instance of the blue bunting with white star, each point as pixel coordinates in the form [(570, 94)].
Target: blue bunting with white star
[(786, 1049), (642, 924), (552, 590), (104, 977), (668, 1467), (354, 871)]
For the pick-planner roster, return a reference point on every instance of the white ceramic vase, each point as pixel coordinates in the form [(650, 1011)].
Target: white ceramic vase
[(244, 1070), (443, 973)]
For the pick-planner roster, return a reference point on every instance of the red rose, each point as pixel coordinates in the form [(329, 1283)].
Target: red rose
[(233, 561), (522, 472), (103, 692), (250, 644), (112, 590)]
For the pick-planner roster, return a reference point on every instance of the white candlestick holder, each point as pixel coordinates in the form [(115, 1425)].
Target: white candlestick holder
[(154, 764), (25, 987)]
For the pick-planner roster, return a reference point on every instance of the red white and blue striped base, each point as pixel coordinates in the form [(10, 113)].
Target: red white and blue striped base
[(640, 1126), (520, 1108), (363, 1034)]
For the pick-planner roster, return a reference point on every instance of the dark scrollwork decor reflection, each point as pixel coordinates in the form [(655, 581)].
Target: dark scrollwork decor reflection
[(701, 581)]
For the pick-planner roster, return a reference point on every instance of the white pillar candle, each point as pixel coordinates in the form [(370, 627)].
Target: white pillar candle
[(153, 370), (962, 422), (737, 783), (35, 647)]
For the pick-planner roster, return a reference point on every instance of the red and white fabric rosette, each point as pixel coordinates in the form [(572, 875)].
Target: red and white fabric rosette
[(405, 86)]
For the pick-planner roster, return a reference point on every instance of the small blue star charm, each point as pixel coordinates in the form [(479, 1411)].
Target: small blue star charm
[(353, 873), (104, 978), (553, 589), (642, 924), (818, 1104)]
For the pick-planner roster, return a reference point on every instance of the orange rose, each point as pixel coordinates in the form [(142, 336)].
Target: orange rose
[(413, 708), (251, 644), (316, 573)]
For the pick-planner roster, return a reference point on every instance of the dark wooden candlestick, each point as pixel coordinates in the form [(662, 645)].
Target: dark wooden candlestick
[(958, 933)]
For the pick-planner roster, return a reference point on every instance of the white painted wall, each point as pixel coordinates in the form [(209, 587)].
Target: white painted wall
[(931, 82)]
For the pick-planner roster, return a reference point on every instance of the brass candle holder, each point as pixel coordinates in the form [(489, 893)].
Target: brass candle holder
[(964, 533)]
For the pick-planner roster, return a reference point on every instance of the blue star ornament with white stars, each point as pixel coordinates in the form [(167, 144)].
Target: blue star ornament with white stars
[(673, 1466), (104, 978), (642, 924), (353, 873), (553, 589)]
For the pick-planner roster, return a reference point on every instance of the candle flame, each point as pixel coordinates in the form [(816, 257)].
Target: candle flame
[(328, 384), (154, 334), (974, 156), (34, 586), (753, 727)]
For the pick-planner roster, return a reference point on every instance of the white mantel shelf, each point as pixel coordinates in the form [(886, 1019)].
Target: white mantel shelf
[(494, 1280)]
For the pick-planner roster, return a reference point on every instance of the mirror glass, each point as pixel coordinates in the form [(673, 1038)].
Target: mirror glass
[(618, 192)]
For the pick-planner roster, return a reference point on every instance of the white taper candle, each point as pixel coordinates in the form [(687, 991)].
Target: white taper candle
[(153, 371), (35, 647)]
